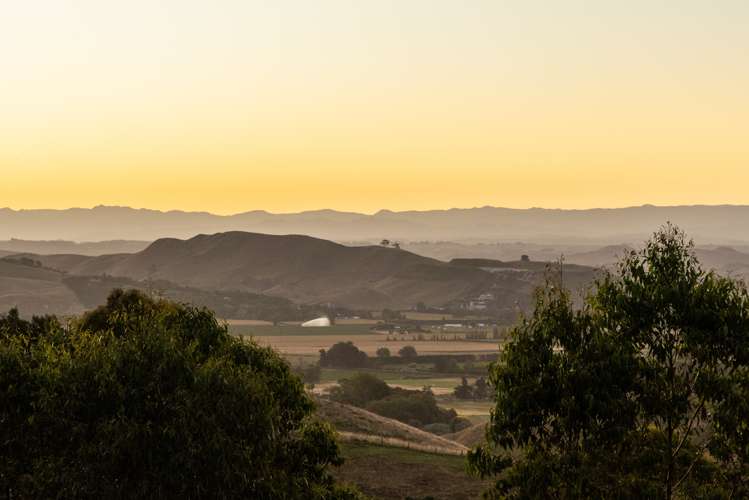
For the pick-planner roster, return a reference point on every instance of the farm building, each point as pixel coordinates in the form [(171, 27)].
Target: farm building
[(324, 321)]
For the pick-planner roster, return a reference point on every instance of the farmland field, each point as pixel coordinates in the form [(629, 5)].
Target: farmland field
[(439, 384), (427, 316), (268, 330), (310, 344), (247, 322), (468, 408)]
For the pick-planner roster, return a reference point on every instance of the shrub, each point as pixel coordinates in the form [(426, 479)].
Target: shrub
[(464, 390), (383, 352), (309, 374), (343, 355), (360, 389), (390, 315), (411, 407), (407, 351)]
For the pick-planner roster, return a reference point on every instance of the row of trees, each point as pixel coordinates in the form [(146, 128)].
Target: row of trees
[(642, 393), (479, 390), (347, 355)]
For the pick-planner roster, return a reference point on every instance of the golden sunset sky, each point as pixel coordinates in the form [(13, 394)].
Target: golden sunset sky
[(228, 106)]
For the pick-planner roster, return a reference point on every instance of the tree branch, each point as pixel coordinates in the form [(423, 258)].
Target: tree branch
[(689, 427), (691, 466)]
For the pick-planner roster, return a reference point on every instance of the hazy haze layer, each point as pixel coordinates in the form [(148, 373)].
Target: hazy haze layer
[(706, 224)]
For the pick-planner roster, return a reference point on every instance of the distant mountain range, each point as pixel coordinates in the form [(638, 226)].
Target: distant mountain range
[(720, 225)]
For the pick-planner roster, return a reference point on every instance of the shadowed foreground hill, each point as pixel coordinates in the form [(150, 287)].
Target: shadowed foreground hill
[(300, 268)]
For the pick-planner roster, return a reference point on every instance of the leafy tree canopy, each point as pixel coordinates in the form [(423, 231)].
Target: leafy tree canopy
[(360, 389), (407, 351), (146, 398), (383, 352), (642, 393), (343, 355)]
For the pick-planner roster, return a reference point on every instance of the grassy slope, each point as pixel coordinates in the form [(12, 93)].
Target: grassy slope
[(355, 422), (35, 290), (472, 436), (384, 473)]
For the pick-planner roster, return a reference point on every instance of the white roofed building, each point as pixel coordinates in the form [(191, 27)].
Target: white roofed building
[(324, 321)]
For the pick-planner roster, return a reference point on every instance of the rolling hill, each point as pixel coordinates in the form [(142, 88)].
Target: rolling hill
[(299, 268), (469, 437), (224, 270), (358, 424), (600, 257), (35, 289)]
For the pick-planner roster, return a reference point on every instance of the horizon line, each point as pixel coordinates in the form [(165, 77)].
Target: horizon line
[(379, 211)]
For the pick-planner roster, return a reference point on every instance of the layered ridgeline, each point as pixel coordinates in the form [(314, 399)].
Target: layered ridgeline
[(238, 267), (299, 268), (243, 275), (260, 276), (706, 224)]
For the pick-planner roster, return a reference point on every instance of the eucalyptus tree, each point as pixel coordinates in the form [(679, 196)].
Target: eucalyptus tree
[(640, 393)]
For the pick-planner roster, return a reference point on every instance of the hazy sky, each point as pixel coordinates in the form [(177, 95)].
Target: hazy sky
[(405, 104)]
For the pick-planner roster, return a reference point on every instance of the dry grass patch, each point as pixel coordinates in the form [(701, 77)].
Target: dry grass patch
[(395, 473)]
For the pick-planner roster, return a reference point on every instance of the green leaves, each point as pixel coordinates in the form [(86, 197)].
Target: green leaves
[(637, 393), (147, 398)]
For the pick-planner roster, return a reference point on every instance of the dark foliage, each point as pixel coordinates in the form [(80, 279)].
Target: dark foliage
[(360, 389), (479, 390), (383, 352), (343, 355), (390, 315), (146, 398), (641, 394), (407, 351), (418, 408), (309, 374)]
